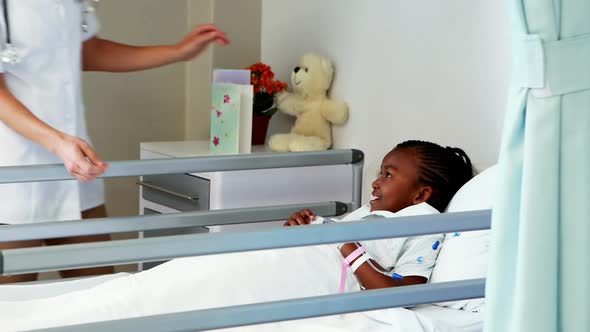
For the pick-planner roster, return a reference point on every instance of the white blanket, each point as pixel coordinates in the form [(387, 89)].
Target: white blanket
[(33, 291), (426, 318), (188, 284), (206, 282)]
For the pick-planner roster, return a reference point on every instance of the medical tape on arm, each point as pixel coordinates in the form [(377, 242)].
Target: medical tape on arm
[(377, 269), (360, 261), (366, 258)]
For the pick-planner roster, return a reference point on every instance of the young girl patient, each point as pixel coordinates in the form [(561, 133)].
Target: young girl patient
[(416, 178)]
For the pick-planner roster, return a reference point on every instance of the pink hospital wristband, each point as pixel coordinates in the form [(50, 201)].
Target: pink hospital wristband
[(346, 263)]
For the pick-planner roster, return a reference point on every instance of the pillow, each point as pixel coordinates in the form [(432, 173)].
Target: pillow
[(465, 255)]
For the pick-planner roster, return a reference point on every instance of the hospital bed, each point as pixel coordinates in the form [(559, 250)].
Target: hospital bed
[(431, 318)]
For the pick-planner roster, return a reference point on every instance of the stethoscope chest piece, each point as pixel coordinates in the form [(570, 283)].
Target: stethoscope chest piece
[(9, 55), (87, 8)]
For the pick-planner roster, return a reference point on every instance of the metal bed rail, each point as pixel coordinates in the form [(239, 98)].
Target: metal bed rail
[(19, 261), (21, 174), (57, 172), (270, 312), (59, 229)]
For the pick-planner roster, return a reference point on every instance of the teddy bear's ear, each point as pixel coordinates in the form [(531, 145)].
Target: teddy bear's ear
[(327, 67)]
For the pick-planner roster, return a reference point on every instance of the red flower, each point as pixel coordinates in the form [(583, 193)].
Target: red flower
[(263, 79), (216, 141)]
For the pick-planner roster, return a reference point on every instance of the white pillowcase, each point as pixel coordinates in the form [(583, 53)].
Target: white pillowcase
[(465, 255)]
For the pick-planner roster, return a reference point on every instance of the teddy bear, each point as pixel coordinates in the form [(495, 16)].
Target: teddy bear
[(314, 111)]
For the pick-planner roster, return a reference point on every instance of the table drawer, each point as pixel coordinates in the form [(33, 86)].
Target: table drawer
[(182, 192)]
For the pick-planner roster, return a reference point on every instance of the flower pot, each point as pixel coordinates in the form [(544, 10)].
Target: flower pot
[(263, 108), (264, 104), (259, 129)]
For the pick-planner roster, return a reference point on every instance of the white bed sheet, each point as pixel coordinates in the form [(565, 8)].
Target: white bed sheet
[(425, 318), (49, 289), (441, 319)]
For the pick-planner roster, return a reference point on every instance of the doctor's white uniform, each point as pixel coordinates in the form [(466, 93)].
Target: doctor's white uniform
[(48, 36)]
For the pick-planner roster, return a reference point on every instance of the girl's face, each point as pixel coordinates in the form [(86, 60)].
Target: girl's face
[(397, 185)]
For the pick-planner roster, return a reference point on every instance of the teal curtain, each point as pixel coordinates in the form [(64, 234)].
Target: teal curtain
[(539, 275)]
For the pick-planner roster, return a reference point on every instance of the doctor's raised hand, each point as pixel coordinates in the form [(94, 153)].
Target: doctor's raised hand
[(198, 40), (104, 55)]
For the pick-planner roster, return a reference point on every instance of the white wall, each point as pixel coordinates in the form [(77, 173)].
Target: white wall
[(198, 77), (432, 70), (241, 20)]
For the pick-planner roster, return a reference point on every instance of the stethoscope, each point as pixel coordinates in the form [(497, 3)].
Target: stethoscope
[(10, 56)]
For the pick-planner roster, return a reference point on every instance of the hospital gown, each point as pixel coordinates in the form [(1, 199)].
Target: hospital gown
[(223, 280)]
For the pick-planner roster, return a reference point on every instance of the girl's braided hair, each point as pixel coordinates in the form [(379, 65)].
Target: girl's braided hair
[(446, 170)]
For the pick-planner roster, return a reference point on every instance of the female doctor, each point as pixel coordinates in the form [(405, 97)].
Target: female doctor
[(46, 45)]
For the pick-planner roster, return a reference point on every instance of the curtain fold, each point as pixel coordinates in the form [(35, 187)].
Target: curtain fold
[(540, 247)]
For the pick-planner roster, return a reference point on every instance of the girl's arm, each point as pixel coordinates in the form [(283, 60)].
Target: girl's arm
[(104, 55), (372, 279)]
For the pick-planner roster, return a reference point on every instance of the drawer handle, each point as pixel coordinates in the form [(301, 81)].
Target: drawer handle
[(164, 190)]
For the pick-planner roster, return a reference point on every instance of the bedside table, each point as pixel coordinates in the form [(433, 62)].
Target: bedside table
[(235, 189)]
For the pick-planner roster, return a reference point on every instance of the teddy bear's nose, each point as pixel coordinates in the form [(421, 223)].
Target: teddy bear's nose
[(297, 69)]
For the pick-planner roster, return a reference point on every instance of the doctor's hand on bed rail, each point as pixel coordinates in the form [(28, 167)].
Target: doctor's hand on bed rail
[(303, 217), (79, 158)]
